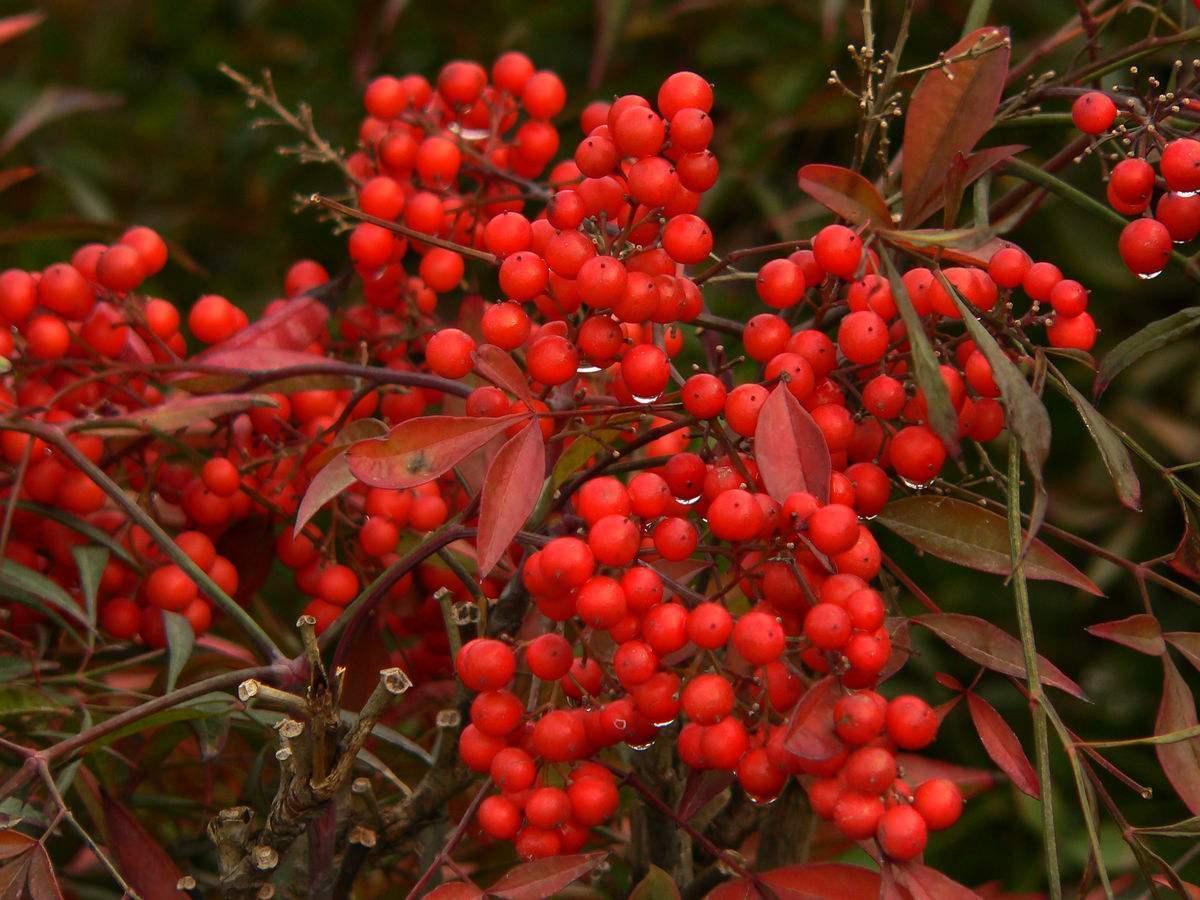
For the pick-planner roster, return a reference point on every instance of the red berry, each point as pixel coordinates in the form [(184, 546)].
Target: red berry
[(759, 638), (1093, 112), (911, 723), (856, 815), (917, 454), (1145, 246), (940, 803), (827, 626), (838, 251), (1180, 165), (902, 834)]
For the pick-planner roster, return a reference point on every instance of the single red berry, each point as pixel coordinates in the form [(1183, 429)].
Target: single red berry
[(1145, 246), (838, 251), (1093, 112), (902, 833), (911, 722), (940, 803), (1180, 165)]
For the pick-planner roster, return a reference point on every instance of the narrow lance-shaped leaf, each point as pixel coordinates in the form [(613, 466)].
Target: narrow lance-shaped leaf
[(976, 538), (32, 588), (846, 193), (1187, 643), (327, 484), (1140, 632), (1152, 337), (1025, 415), (544, 877), (90, 560), (1002, 745), (924, 883), (977, 165), (180, 641), (141, 859), (790, 448), (16, 25), (982, 642), (1180, 760), (51, 104), (657, 885), (1186, 559), (419, 450), (805, 881), (810, 732), (176, 413), (1108, 442), (951, 108), (942, 417), (510, 493), (497, 366)]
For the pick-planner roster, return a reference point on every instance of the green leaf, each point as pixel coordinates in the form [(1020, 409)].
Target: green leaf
[(180, 640), (1152, 337), (969, 535), (1188, 828), (942, 417), (1108, 442), (91, 561), (1025, 414), (34, 589), (91, 532), (657, 885), (22, 700), (576, 456)]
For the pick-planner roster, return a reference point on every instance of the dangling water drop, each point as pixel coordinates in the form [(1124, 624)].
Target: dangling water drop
[(1146, 276), (646, 401)]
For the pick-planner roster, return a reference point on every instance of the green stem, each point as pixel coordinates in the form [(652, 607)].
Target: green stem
[(1036, 699), (976, 15)]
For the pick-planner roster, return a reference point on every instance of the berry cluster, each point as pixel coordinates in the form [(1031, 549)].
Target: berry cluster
[(1145, 243)]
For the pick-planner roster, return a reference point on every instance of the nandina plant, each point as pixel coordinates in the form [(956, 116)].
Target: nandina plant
[(586, 579)]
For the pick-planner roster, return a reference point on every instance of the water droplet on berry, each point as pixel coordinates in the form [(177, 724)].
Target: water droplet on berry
[(688, 501), (1146, 276), (916, 485), (646, 401), (586, 368)]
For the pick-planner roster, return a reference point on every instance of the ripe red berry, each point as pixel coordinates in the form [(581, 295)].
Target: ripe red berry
[(485, 664), (1145, 246), (940, 803), (1179, 212), (682, 90), (827, 626), (707, 698), (1180, 165), (1132, 181), (911, 723), (857, 815), (735, 515), (838, 251), (709, 625), (858, 718), (833, 529), (687, 239), (1093, 112), (780, 283), (917, 454), (902, 833), (645, 370), (559, 736), (449, 352)]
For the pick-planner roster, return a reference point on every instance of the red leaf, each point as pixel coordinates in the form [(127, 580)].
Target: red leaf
[(141, 859), (497, 366), (15, 26), (543, 877), (43, 883), (1180, 761), (925, 883), (294, 326), (1002, 745), (1141, 633), (810, 732), (327, 484), (976, 166), (14, 843), (178, 412), (242, 545), (15, 175), (984, 643), (700, 789), (1187, 643), (419, 450), (1186, 560), (790, 448), (1193, 892), (510, 493), (51, 104), (950, 110), (847, 193), (919, 769), (970, 536), (808, 881), (455, 890)]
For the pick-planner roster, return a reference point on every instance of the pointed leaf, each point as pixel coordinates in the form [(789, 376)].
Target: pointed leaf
[(1153, 336), (657, 885), (942, 417), (327, 484), (925, 883), (90, 559), (358, 430), (15, 175), (544, 877), (1002, 745), (810, 732), (419, 450), (701, 789), (952, 107), (807, 881), (20, 583), (174, 414), (51, 104), (790, 448), (14, 843), (1186, 560), (1141, 633), (1189, 828), (846, 193), (455, 890), (984, 643), (510, 493), (1180, 760), (141, 859), (294, 326), (1024, 413), (1187, 643), (180, 641), (42, 883), (15, 26), (497, 366), (1112, 448), (976, 538), (919, 769), (977, 165)]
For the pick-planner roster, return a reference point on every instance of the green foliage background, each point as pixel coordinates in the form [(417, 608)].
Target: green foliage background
[(179, 154)]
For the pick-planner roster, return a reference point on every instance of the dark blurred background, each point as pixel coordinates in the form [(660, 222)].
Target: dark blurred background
[(166, 141)]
